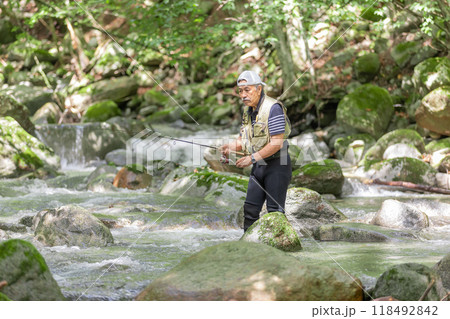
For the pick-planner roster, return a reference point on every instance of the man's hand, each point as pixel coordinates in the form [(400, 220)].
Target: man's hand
[(244, 162), (225, 150)]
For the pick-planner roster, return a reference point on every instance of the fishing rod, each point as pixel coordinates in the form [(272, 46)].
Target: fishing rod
[(199, 144)]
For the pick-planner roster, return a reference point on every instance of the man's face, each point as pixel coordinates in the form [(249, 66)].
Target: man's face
[(249, 94)]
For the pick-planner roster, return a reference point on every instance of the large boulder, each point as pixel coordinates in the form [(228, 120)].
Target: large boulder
[(401, 150), (437, 145), (101, 111), (22, 153), (26, 273), (70, 225), (368, 109), (408, 282), (273, 229), (438, 213), (250, 271), (357, 232), (395, 214), (32, 97), (403, 169), (324, 177), (442, 268), (366, 67), (305, 209), (115, 89), (9, 106), (133, 177), (434, 112), (411, 53), (431, 74), (404, 136)]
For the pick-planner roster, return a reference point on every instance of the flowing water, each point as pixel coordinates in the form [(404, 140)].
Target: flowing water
[(158, 231)]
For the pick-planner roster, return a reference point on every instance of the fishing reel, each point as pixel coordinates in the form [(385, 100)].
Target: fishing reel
[(224, 159)]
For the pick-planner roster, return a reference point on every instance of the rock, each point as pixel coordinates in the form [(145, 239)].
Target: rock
[(156, 97), (404, 136), (9, 106), (26, 273), (403, 169), (411, 53), (305, 210), (434, 112), (407, 282), (133, 177), (101, 179), (117, 157), (13, 227), (101, 111), (22, 153), (49, 113), (112, 62), (115, 89), (438, 158), (366, 67), (311, 147), (401, 150), (431, 74), (72, 226), (324, 177), (26, 221), (368, 109), (222, 188), (128, 126), (353, 147), (25, 49), (250, 271), (398, 215), (273, 229), (32, 97), (443, 180), (212, 157), (356, 232), (3, 235), (160, 170), (442, 268), (431, 208), (437, 145)]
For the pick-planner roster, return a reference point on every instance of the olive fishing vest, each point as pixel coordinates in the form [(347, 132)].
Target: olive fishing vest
[(255, 137)]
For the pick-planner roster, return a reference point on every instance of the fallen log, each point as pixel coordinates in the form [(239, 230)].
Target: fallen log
[(412, 186)]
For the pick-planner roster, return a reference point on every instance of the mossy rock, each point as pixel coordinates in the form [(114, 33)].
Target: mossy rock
[(155, 97), (169, 114), (405, 136), (70, 225), (431, 74), (398, 215), (49, 113), (442, 268), (32, 97), (101, 111), (21, 153), (368, 109), (359, 233), (402, 52), (437, 145), (434, 112), (250, 271), (366, 67), (26, 272), (324, 177), (273, 229), (9, 106), (404, 169), (407, 282)]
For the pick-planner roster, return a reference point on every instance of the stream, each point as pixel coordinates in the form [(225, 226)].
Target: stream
[(158, 231)]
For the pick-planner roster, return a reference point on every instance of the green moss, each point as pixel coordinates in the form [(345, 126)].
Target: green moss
[(366, 67), (208, 178), (156, 97), (408, 169), (101, 111), (437, 145), (403, 52), (137, 168), (10, 247), (341, 144)]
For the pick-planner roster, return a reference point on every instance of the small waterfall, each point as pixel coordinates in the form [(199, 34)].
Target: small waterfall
[(67, 142)]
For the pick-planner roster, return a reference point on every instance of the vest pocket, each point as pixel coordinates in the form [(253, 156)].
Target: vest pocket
[(259, 129)]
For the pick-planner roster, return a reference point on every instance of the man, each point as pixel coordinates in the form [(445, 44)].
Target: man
[(265, 128)]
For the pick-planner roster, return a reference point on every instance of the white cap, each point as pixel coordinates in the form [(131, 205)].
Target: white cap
[(250, 77)]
